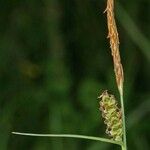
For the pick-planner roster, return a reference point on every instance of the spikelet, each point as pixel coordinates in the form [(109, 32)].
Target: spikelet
[(112, 116), (114, 44)]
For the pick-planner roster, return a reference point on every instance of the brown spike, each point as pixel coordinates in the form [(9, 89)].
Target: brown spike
[(114, 44)]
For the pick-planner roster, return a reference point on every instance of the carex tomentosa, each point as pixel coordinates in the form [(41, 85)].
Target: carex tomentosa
[(112, 116)]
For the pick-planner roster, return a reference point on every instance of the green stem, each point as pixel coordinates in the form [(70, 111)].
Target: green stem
[(71, 136), (124, 146)]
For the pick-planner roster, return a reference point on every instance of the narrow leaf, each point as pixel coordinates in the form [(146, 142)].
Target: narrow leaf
[(70, 136)]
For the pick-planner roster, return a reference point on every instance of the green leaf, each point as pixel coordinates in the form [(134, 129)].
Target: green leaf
[(70, 136)]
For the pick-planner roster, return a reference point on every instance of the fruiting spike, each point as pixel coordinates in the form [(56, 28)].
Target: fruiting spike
[(112, 115)]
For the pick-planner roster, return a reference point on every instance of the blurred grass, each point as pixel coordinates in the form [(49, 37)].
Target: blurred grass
[(54, 61)]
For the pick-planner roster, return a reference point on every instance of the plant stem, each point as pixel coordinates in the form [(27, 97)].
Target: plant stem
[(71, 136), (124, 147)]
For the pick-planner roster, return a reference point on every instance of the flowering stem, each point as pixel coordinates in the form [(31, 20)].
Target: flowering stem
[(124, 147)]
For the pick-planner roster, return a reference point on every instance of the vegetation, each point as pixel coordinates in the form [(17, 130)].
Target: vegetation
[(54, 60)]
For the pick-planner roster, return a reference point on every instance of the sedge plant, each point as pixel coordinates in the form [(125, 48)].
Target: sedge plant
[(114, 117)]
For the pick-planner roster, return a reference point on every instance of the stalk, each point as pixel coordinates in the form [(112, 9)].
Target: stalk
[(124, 147)]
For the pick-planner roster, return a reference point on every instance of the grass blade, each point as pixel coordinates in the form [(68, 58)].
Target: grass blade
[(70, 136)]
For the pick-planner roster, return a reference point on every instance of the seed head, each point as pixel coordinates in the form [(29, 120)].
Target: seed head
[(112, 116)]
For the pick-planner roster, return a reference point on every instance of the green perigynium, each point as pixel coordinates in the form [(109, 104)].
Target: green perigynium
[(112, 116)]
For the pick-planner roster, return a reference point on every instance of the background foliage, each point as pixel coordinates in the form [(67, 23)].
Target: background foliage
[(55, 60)]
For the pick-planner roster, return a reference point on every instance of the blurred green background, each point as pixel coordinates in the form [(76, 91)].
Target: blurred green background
[(54, 62)]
